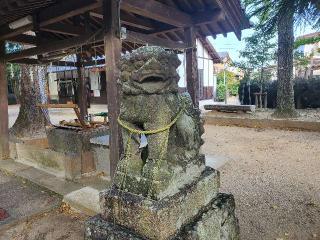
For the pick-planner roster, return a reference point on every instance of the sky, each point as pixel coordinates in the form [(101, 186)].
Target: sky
[(232, 45)]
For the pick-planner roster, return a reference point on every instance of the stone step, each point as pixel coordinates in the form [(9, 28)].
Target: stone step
[(85, 200)]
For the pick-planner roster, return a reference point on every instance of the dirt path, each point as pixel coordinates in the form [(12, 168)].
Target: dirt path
[(50, 226), (275, 177)]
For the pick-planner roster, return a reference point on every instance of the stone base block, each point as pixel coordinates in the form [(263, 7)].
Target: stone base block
[(216, 222), (161, 220)]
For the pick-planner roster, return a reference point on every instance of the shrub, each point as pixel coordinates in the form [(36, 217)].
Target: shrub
[(306, 92), (232, 82), (12, 100), (221, 91)]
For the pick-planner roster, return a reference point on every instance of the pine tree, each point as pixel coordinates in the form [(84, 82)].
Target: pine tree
[(282, 16)]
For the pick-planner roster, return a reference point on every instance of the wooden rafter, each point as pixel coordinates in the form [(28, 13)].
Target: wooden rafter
[(163, 21), (60, 45), (158, 11), (129, 20), (226, 9), (141, 38), (51, 47), (54, 14), (24, 39), (63, 28), (206, 17)]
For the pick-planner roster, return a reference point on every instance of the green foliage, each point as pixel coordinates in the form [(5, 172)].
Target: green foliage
[(306, 92), (230, 76), (221, 91), (306, 41), (301, 61), (232, 84), (259, 50), (282, 16), (13, 70), (13, 75), (258, 54), (269, 12), (12, 47)]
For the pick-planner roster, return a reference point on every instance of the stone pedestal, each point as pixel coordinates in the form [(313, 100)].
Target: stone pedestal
[(196, 212), (215, 222)]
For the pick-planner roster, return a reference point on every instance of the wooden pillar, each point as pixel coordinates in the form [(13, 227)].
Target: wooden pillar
[(82, 90), (4, 120), (112, 45), (192, 65)]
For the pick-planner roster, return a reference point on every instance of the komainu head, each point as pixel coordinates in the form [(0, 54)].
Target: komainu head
[(149, 70)]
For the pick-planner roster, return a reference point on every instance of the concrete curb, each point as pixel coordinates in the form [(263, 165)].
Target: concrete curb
[(85, 200), (283, 124)]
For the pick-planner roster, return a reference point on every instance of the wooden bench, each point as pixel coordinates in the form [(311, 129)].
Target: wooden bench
[(230, 108)]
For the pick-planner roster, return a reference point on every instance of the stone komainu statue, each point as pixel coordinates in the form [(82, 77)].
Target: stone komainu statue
[(152, 106), (161, 191)]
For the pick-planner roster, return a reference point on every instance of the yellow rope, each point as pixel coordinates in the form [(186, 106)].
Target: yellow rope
[(149, 132)]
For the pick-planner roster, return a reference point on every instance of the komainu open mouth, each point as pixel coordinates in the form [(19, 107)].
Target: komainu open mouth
[(152, 79)]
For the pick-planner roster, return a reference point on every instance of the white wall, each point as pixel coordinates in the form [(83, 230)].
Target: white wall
[(204, 62)]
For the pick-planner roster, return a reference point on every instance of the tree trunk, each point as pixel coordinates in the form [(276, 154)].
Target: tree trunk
[(30, 121), (285, 95)]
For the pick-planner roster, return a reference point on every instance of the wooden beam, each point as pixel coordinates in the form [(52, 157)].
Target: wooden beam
[(63, 28), (141, 38), (200, 18), (112, 41), (4, 124), (229, 18), (208, 17), (53, 46), (24, 39), (32, 61), (129, 20), (51, 106), (87, 38), (6, 33), (192, 65), (66, 9), (158, 11), (54, 14), (29, 61)]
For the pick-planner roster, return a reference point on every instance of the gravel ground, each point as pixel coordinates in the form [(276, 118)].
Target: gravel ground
[(275, 178), (273, 174), (20, 199)]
